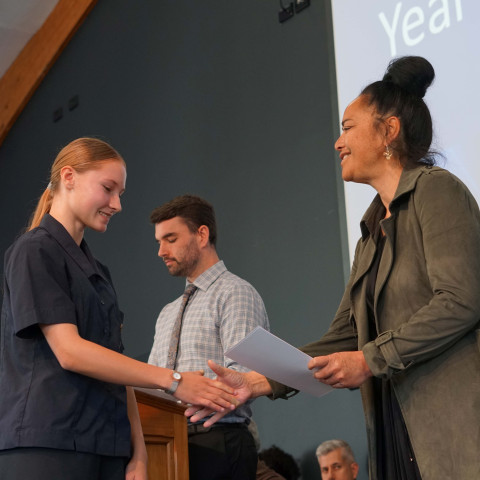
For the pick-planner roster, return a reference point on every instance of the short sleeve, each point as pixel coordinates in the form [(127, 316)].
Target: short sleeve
[(38, 285)]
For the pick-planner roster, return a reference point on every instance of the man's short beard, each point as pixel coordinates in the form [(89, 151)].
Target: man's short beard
[(183, 270), (189, 263)]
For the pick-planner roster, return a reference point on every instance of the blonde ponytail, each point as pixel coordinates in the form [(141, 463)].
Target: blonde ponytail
[(43, 207)]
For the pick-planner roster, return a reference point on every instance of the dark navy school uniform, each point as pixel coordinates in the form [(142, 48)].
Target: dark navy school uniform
[(49, 279)]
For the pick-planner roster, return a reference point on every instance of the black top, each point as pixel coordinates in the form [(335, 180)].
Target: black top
[(49, 279), (395, 458)]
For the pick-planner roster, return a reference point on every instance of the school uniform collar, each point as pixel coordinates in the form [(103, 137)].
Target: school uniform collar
[(80, 254)]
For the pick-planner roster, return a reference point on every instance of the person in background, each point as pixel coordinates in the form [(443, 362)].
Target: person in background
[(275, 463), (336, 460), (407, 328), (217, 311), (64, 408)]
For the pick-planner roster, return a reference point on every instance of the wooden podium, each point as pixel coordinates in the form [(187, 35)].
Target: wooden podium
[(165, 431)]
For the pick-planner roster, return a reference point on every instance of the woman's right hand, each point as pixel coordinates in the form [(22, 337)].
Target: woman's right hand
[(243, 385)]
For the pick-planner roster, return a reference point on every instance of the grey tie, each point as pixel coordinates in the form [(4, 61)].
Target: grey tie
[(177, 326)]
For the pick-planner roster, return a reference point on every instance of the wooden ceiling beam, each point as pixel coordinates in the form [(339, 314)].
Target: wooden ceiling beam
[(32, 64)]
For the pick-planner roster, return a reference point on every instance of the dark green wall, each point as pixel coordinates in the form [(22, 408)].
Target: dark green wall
[(219, 99)]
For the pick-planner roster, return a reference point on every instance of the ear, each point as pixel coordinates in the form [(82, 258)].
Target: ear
[(354, 467), (67, 177), (392, 125), (204, 235)]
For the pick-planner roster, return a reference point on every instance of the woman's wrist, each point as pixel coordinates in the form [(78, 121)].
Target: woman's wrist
[(258, 384)]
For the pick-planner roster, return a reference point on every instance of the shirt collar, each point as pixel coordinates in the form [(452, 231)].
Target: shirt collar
[(408, 180), (80, 254), (407, 183), (371, 218), (209, 276)]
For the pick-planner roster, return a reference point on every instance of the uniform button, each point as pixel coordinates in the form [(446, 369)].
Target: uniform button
[(102, 302)]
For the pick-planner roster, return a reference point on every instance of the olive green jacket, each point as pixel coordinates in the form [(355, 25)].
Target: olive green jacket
[(427, 311)]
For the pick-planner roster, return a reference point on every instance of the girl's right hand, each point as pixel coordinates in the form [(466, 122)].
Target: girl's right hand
[(195, 389)]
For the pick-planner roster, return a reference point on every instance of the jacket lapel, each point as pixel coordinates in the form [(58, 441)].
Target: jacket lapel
[(406, 184)]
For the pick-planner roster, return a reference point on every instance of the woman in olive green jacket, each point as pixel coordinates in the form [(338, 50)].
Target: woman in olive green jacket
[(427, 312), (407, 328)]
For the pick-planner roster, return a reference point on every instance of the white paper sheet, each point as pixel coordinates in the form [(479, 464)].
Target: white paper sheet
[(276, 359)]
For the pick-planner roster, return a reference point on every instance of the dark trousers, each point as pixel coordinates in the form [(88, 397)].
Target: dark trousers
[(224, 452), (52, 464)]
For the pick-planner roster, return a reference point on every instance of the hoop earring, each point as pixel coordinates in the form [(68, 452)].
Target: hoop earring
[(387, 153)]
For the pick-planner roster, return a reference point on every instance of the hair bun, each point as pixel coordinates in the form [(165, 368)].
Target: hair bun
[(413, 74)]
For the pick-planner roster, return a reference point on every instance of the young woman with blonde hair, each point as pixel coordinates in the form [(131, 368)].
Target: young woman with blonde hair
[(64, 409)]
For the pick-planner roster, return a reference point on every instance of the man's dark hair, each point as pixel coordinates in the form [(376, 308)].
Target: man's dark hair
[(280, 461), (195, 211)]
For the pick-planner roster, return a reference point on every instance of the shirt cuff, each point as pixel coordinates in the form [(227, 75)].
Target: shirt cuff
[(382, 357), (280, 391), (375, 360)]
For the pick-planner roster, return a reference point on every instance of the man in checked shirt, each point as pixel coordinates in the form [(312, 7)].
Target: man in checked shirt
[(222, 310)]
